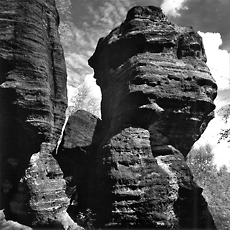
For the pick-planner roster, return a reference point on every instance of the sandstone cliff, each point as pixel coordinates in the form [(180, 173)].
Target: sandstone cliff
[(33, 101), (75, 156), (129, 168), (157, 99)]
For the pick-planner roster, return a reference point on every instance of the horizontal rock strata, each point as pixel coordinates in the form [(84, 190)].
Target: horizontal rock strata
[(157, 99), (33, 100)]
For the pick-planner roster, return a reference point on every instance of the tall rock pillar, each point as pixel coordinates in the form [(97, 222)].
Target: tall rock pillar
[(157, 99), (33, 100)]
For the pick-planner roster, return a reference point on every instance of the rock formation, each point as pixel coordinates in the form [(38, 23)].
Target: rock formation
[(75, 156), (157, 99), (128, 168), (33, 101), (12, 225)]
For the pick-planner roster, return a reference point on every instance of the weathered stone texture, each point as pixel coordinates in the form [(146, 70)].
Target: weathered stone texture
[(80, 130), (33, 100), (9, 224), (129, 168), (157, 99), (76, 155)]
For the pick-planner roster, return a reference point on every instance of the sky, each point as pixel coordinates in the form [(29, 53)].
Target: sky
[(87, 21)]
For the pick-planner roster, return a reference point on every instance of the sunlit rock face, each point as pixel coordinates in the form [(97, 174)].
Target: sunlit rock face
[(33, 100), (157, 99)]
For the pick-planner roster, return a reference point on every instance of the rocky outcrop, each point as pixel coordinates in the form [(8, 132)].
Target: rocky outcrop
[(76, 155), (33, 101), (129, 169), (9, 224), (157, 99)]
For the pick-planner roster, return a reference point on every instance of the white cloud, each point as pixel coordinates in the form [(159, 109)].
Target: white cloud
[(222, 154), (211, 136), (218, 63), (72, 91), (95, 91), (217, 59), (110, 14), (76, 61), (171, 7)]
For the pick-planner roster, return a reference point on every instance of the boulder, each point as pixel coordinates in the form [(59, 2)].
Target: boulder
[(157, 99), (80, 131), (76, 155)]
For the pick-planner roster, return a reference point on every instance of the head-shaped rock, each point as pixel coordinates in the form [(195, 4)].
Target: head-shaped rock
[(153, 75)]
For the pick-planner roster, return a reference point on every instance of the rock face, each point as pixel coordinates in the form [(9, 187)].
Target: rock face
[(12, 225), (129, 168), (33, 101), (157, 99), (76, 155)]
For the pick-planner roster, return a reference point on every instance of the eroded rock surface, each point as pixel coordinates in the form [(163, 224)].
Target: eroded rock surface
[(129, 168), (33, 100), (9, 224), (76, 156), (157, 99)]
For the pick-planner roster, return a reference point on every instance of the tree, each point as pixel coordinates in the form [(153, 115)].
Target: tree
[(201, 164), (224, 114), (83, 100), (66, 24), (63, 6), (216, 184)]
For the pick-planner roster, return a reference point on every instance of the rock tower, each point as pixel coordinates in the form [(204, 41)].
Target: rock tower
[(33, 100), (157, 99)]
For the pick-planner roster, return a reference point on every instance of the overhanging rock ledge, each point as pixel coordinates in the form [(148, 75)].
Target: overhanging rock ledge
[(157, 99)]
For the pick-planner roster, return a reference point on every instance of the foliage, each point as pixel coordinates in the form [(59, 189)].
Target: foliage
[(66, 24), (83, 100), (201, 163), (224, 135), (86, 219), (216, 184), (224, 114), (63, 6)]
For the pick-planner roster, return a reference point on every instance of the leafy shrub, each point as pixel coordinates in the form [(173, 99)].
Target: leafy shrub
[(86, 219)]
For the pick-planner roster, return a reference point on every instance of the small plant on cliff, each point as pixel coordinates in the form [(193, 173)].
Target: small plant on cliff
[(86, 219)]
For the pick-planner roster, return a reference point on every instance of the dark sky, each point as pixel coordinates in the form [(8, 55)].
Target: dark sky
[(207, 16), (203, 15)]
